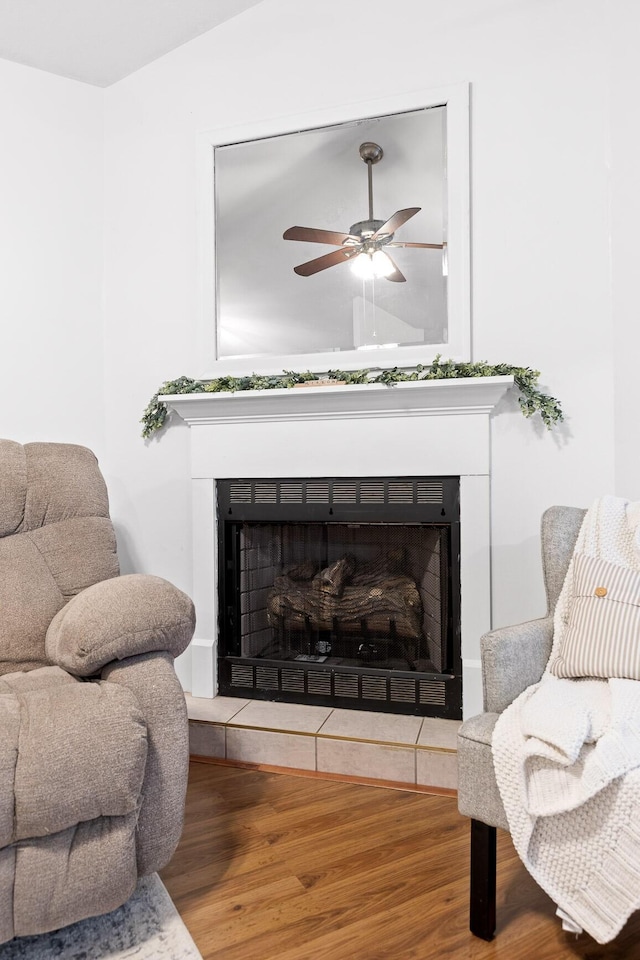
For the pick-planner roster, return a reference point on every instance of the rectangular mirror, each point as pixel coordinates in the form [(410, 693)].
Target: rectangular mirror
[(290, 217)]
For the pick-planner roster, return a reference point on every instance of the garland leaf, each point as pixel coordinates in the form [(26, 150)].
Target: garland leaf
[(531, 398)]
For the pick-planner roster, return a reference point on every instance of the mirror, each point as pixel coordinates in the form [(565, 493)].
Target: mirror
[(269, 318)]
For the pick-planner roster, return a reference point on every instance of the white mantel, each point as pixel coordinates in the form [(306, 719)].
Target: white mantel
[(470, 395), (413, 428)]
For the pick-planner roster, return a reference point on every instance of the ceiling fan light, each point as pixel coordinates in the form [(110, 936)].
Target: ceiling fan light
[(372, 266), (362, 266), (382, 265)]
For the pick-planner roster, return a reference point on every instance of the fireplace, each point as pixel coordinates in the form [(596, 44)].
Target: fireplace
[(341, 591), (437, 428)]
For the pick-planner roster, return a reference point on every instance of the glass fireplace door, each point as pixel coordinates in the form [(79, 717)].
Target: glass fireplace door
[(306, 600)]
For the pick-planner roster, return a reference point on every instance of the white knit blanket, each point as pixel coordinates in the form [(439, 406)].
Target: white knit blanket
[(567, 761)]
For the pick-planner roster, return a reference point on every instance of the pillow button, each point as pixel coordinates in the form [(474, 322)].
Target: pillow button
[(600, 591)]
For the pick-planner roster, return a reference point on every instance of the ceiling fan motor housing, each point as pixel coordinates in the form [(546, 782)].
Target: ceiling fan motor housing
[(366, 228)]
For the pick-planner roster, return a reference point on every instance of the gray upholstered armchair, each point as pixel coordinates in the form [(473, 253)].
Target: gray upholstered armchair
[(93, 726), (513, 658)]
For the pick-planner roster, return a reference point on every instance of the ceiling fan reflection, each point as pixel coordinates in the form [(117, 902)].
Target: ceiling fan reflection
[(367, 243)]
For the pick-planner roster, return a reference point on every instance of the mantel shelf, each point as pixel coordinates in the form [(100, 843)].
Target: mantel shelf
[(468, 395)]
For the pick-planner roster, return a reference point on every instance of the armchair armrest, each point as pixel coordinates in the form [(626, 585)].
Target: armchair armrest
[(512, 659), (151, 678), (120, 618)]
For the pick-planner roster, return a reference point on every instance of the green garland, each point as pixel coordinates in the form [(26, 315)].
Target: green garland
[(531, 399)]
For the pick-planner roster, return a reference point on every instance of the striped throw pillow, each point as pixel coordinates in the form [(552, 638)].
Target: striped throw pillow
[(602, 637)]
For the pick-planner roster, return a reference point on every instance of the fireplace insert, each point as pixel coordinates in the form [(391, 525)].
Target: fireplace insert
[(341, 591)]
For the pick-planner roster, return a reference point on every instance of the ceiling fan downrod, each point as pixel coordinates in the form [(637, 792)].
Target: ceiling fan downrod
[(371, 153)]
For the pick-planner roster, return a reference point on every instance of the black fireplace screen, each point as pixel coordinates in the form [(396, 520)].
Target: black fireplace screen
[(332, 591)]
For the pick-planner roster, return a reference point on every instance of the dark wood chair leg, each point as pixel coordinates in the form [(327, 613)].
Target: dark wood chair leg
[(482, 901)]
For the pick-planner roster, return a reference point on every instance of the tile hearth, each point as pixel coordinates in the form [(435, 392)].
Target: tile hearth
[(404, 750)]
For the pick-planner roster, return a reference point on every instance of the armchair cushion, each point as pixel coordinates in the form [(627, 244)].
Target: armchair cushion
[(602, 636), (39, 571), (120, 618), (478, 794), (70, 752)]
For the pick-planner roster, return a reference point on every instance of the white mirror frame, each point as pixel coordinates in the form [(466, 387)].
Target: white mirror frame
[(458, 345)]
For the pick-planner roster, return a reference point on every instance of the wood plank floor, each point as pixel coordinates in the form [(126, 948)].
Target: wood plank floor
[(296, 868)]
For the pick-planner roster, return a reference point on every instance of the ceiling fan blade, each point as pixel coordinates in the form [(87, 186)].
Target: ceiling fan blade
[(396, 221), (428, 246), (396, 276), (312, 235), (328, 260)]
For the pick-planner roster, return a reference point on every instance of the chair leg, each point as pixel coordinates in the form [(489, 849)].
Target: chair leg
[(482, 902)]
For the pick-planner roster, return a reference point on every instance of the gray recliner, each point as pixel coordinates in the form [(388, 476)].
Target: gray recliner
[(93, 723), (513, 658)]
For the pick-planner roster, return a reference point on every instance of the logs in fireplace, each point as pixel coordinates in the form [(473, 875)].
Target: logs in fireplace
[(350, 599), (341, 591)]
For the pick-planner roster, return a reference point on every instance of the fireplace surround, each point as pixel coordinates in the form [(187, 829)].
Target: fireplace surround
[(341, 591), (414, 429)]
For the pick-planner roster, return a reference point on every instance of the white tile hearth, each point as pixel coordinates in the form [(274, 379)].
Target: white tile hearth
[(359, 758), (404, 750), (269, 715), (363, 725), (273, 749)]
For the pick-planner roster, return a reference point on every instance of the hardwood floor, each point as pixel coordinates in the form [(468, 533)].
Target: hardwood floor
[(297, 868)]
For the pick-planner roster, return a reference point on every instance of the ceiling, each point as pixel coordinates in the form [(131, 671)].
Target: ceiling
[(101, 41)]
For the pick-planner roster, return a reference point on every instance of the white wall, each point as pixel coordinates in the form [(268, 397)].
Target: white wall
[(625, 230), (51, 233), (543, 120), (555, 199)]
